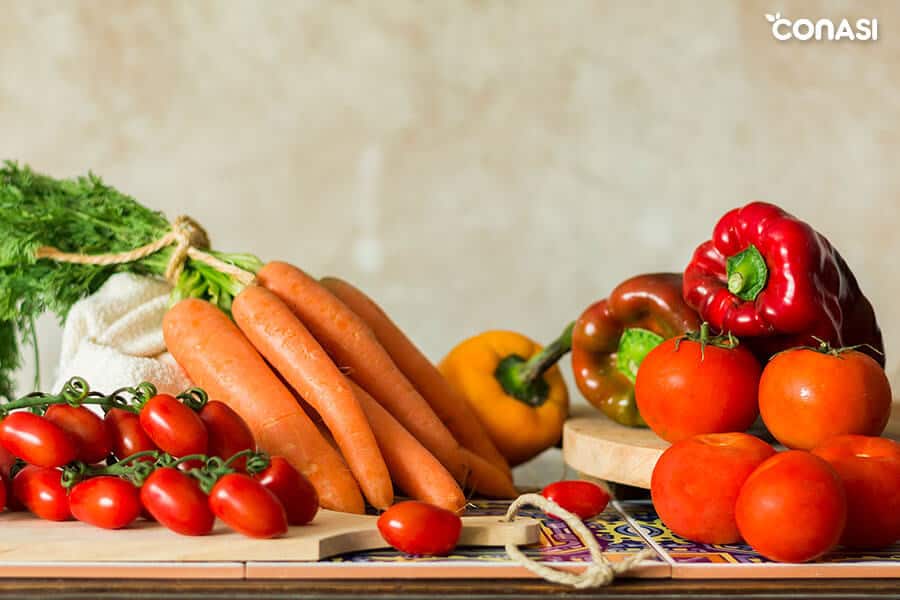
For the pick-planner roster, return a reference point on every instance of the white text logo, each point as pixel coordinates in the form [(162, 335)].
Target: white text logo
[(783, 29)]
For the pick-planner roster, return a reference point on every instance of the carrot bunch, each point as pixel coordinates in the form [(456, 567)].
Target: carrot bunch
[(324, 378)]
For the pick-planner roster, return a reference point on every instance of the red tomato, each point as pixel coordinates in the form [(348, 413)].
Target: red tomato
[(126, 433), (87, 429), (36, 440), (7, 460), (688, 391), (792, 508), (176, 500), (106, 501), (870, 470), (173, 427), (696, 483), (582, 498), (807, 396), (420, 528), (40, 490), (296, 493), (248, 507), (2, 492), (228, 432)]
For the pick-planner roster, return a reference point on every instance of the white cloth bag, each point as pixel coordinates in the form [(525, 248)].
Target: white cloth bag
[(114, 338)]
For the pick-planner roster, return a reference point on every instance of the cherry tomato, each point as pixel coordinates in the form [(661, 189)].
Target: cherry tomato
[(40, 490), (296, 493), (7, 460), (581, 498), (807, 396), (173, 427), (36, 440), (420, 528), (228, 432), (2, 492), (87, 429), (248, 507), (683, 389), (176, 500), (106, 501), (126, 433)]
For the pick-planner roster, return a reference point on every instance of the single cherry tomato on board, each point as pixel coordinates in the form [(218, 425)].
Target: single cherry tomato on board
[(420, 528), (248, 507), (694, 385), (228, 432), (40, 490), (107, 502), (176, 500), (173, 427), (126, 433), (807, 396), (294, 491), (87, 429), (582, 498), (36, 440)]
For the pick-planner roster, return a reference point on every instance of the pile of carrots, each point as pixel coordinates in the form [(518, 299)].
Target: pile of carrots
[(324, 378)]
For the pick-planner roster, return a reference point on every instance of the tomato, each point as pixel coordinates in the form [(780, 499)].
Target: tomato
[(807, 396), (696, 482), (420, 528), (126, 433), (40, 490), (228, 432), (36, 440), (248, 507), (792, 508), (294, 491), (2, 492), (581, 498), (176, 500), (106, 501), (682, 390), (7, 461), (87, 429), (173, 427), (869, 467)]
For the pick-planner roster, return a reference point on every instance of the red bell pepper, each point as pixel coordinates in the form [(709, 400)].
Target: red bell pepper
[(771, 279)]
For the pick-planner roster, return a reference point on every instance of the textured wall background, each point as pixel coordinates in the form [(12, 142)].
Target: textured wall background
[(473, 164)]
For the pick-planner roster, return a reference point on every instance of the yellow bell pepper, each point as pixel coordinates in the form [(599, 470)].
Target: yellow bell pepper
[(514, 387)]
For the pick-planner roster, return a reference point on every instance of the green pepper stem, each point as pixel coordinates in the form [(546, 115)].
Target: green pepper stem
[(535, 366), (747, 273), (523, 378)]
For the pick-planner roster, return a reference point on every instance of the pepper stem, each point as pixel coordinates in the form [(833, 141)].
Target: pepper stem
[(523, 378), (747, 273)]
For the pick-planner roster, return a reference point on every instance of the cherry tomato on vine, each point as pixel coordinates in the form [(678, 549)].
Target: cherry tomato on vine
[(420, 528), (174, 427), (87, 429), (36, 440), (296, 493), (176, 500), (40, 490), (248, 507), (582, 498), (126, 433), (7, 460), (228, 432), (105, 501)]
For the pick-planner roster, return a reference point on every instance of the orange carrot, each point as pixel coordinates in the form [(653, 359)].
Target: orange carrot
[(449, 404), (414, 469), (292, 350), (355, 349), (217, 357), (487, 479)]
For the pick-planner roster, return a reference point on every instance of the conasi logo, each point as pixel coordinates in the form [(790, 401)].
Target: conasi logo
[(863, 30)]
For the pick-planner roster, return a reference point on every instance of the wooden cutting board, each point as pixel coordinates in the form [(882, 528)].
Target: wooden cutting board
[(26, 539), (600, 448)]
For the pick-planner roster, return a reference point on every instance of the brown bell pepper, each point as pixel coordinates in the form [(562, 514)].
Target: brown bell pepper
[(613, 335)]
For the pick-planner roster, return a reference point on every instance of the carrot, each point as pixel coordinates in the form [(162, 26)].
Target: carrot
[(218, 358), (414, 469), (355, 349), (292, 351), (449, 404), (487, 479)]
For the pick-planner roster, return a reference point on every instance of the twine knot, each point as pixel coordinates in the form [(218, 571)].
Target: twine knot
[(186, 234)]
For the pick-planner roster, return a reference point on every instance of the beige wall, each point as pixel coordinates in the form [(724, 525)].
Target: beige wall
[(473, 164)]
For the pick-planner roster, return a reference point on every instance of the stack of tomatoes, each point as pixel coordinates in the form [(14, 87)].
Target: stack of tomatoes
[(837, 482), (162, 459)]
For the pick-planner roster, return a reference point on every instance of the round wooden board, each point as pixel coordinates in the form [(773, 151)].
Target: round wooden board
[(600, 448)]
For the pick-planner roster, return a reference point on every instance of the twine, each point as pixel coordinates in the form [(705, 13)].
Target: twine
[(600, 573), (189, 239)]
